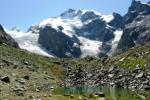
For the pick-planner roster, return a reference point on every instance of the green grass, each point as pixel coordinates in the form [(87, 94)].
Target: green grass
[(132, 57)]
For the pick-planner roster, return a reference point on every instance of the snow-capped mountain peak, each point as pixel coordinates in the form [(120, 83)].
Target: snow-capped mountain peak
[(71, 19), (69, 14), (85, 28)]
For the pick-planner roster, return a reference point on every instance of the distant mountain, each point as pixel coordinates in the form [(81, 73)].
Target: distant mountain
[(7, 39), (81, 33)]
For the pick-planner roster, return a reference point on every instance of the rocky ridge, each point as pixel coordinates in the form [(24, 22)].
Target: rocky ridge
[(136, 27), (7, 39)]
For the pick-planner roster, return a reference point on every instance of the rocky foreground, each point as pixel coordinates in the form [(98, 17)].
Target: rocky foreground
[(136, 79)]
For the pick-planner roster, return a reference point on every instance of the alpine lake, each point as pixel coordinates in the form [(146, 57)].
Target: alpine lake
[(98, 93)]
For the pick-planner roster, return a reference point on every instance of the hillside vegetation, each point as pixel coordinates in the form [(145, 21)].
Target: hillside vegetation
[(27, 75)]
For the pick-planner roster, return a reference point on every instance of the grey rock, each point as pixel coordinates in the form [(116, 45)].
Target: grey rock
[(5, 79), (111, 75), (26, 77), (100, 94), (21, 81), (140, 75), (142, 97)]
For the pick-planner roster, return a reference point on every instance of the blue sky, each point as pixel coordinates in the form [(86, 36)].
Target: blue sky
[(23, 13)]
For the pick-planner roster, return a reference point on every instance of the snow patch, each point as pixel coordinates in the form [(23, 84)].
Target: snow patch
[(107, 18), (96, 13), (67, 24), (115, 41)]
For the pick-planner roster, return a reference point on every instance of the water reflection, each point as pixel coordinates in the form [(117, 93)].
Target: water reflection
[(110, 92), (113, 93), (75, 90)]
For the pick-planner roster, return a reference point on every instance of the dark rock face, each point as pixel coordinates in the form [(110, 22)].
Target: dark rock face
[(95, 30), (67, 12), (117, 21), (136, 26), (7, 39), (88, 15), (58, 43)]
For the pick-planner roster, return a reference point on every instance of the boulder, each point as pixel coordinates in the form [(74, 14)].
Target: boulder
[(5, 79)]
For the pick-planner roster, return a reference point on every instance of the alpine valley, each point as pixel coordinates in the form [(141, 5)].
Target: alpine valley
[(78, 55)]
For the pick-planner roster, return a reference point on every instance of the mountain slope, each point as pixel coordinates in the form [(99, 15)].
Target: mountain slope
[(28, 73)]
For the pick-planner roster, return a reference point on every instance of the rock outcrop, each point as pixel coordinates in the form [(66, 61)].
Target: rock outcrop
[(7, 39), (136, 26), (58, 43)]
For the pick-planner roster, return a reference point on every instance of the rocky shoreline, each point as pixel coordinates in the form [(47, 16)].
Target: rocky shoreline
[(137, 78)]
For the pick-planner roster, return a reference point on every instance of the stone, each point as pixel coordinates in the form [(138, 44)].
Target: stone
[(100, 94), (140, 75), (79, 98), (26, 77), (122, 59), (111, 69), (13, 74), (72, 96), (31, 96), (37, 90), (51, 87), (21, 81), (67, 95), (111, 75), (145, 87), (112, 84), (26, 62), (5, 79), (142, 97), (44, 95)]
